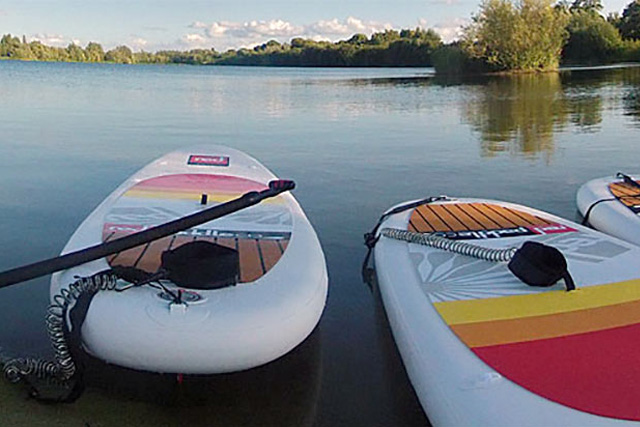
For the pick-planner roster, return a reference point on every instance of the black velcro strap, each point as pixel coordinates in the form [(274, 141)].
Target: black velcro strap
[(202, 265), (537, 264)]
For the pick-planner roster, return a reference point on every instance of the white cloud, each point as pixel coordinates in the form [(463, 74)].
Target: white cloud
[(245, 30), (194, 38), (138, 43), (56, 40), (348, 27), (449, 30), (225, 34)]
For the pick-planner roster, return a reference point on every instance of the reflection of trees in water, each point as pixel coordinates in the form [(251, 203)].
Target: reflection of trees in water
[(631, 103), (519, 114), (585, 111), (631, 94), (625, 97)]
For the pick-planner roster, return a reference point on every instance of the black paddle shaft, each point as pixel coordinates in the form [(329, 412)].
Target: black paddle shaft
[(63, 262)]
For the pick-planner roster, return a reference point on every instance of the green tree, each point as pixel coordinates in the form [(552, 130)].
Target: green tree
[(42, 52), (358, 39), (94, 52), (9, 45), (614, 19), (299, 42), (586, 6), (120, 55), (524, 36), (630, 21), (60, 54), (591, 39), (385, 38), (76, 53)]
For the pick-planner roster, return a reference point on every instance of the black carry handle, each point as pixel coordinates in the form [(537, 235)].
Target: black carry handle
[(628, 180), (63, 262)]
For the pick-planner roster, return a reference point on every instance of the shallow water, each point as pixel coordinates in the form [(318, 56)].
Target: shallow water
[(355, 141)]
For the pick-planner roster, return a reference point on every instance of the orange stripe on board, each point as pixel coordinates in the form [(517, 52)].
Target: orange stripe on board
[(551, 326)]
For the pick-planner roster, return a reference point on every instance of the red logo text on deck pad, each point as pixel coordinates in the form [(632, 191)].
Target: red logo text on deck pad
[(195, 159)]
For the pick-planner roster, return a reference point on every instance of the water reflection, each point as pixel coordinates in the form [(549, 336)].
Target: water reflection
[(67, 147), (282, 393), (585, 112), (518, 115)]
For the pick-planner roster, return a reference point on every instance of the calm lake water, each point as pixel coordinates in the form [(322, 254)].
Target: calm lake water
[(355, 141)]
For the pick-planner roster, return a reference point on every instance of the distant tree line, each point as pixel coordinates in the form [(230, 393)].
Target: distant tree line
[(504, 36), (406, 48)]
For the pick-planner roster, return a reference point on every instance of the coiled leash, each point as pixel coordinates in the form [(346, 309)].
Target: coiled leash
[(195, 265), (61, 373), (533, 263)]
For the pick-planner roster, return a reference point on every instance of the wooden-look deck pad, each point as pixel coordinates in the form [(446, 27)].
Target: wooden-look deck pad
[(579, 349), (463, 221), (260, 233), (626, 194)]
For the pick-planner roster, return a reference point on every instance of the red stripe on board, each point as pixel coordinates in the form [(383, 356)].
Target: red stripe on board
[(200, 182), (596, 372)]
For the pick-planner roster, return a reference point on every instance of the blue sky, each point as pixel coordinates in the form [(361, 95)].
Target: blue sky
[(222, 24)]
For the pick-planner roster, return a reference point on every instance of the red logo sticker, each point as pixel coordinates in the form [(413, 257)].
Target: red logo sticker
[(552, 229), (208, 160)]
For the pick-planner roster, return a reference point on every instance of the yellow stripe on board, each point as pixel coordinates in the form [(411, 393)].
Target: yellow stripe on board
[(495, 332), (541, 304)]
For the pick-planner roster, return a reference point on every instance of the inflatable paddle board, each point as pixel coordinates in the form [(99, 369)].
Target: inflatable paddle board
[(612, 205), (483, 348), (273, 304)]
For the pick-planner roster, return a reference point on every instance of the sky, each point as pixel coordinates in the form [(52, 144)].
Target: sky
[(153, 25)]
